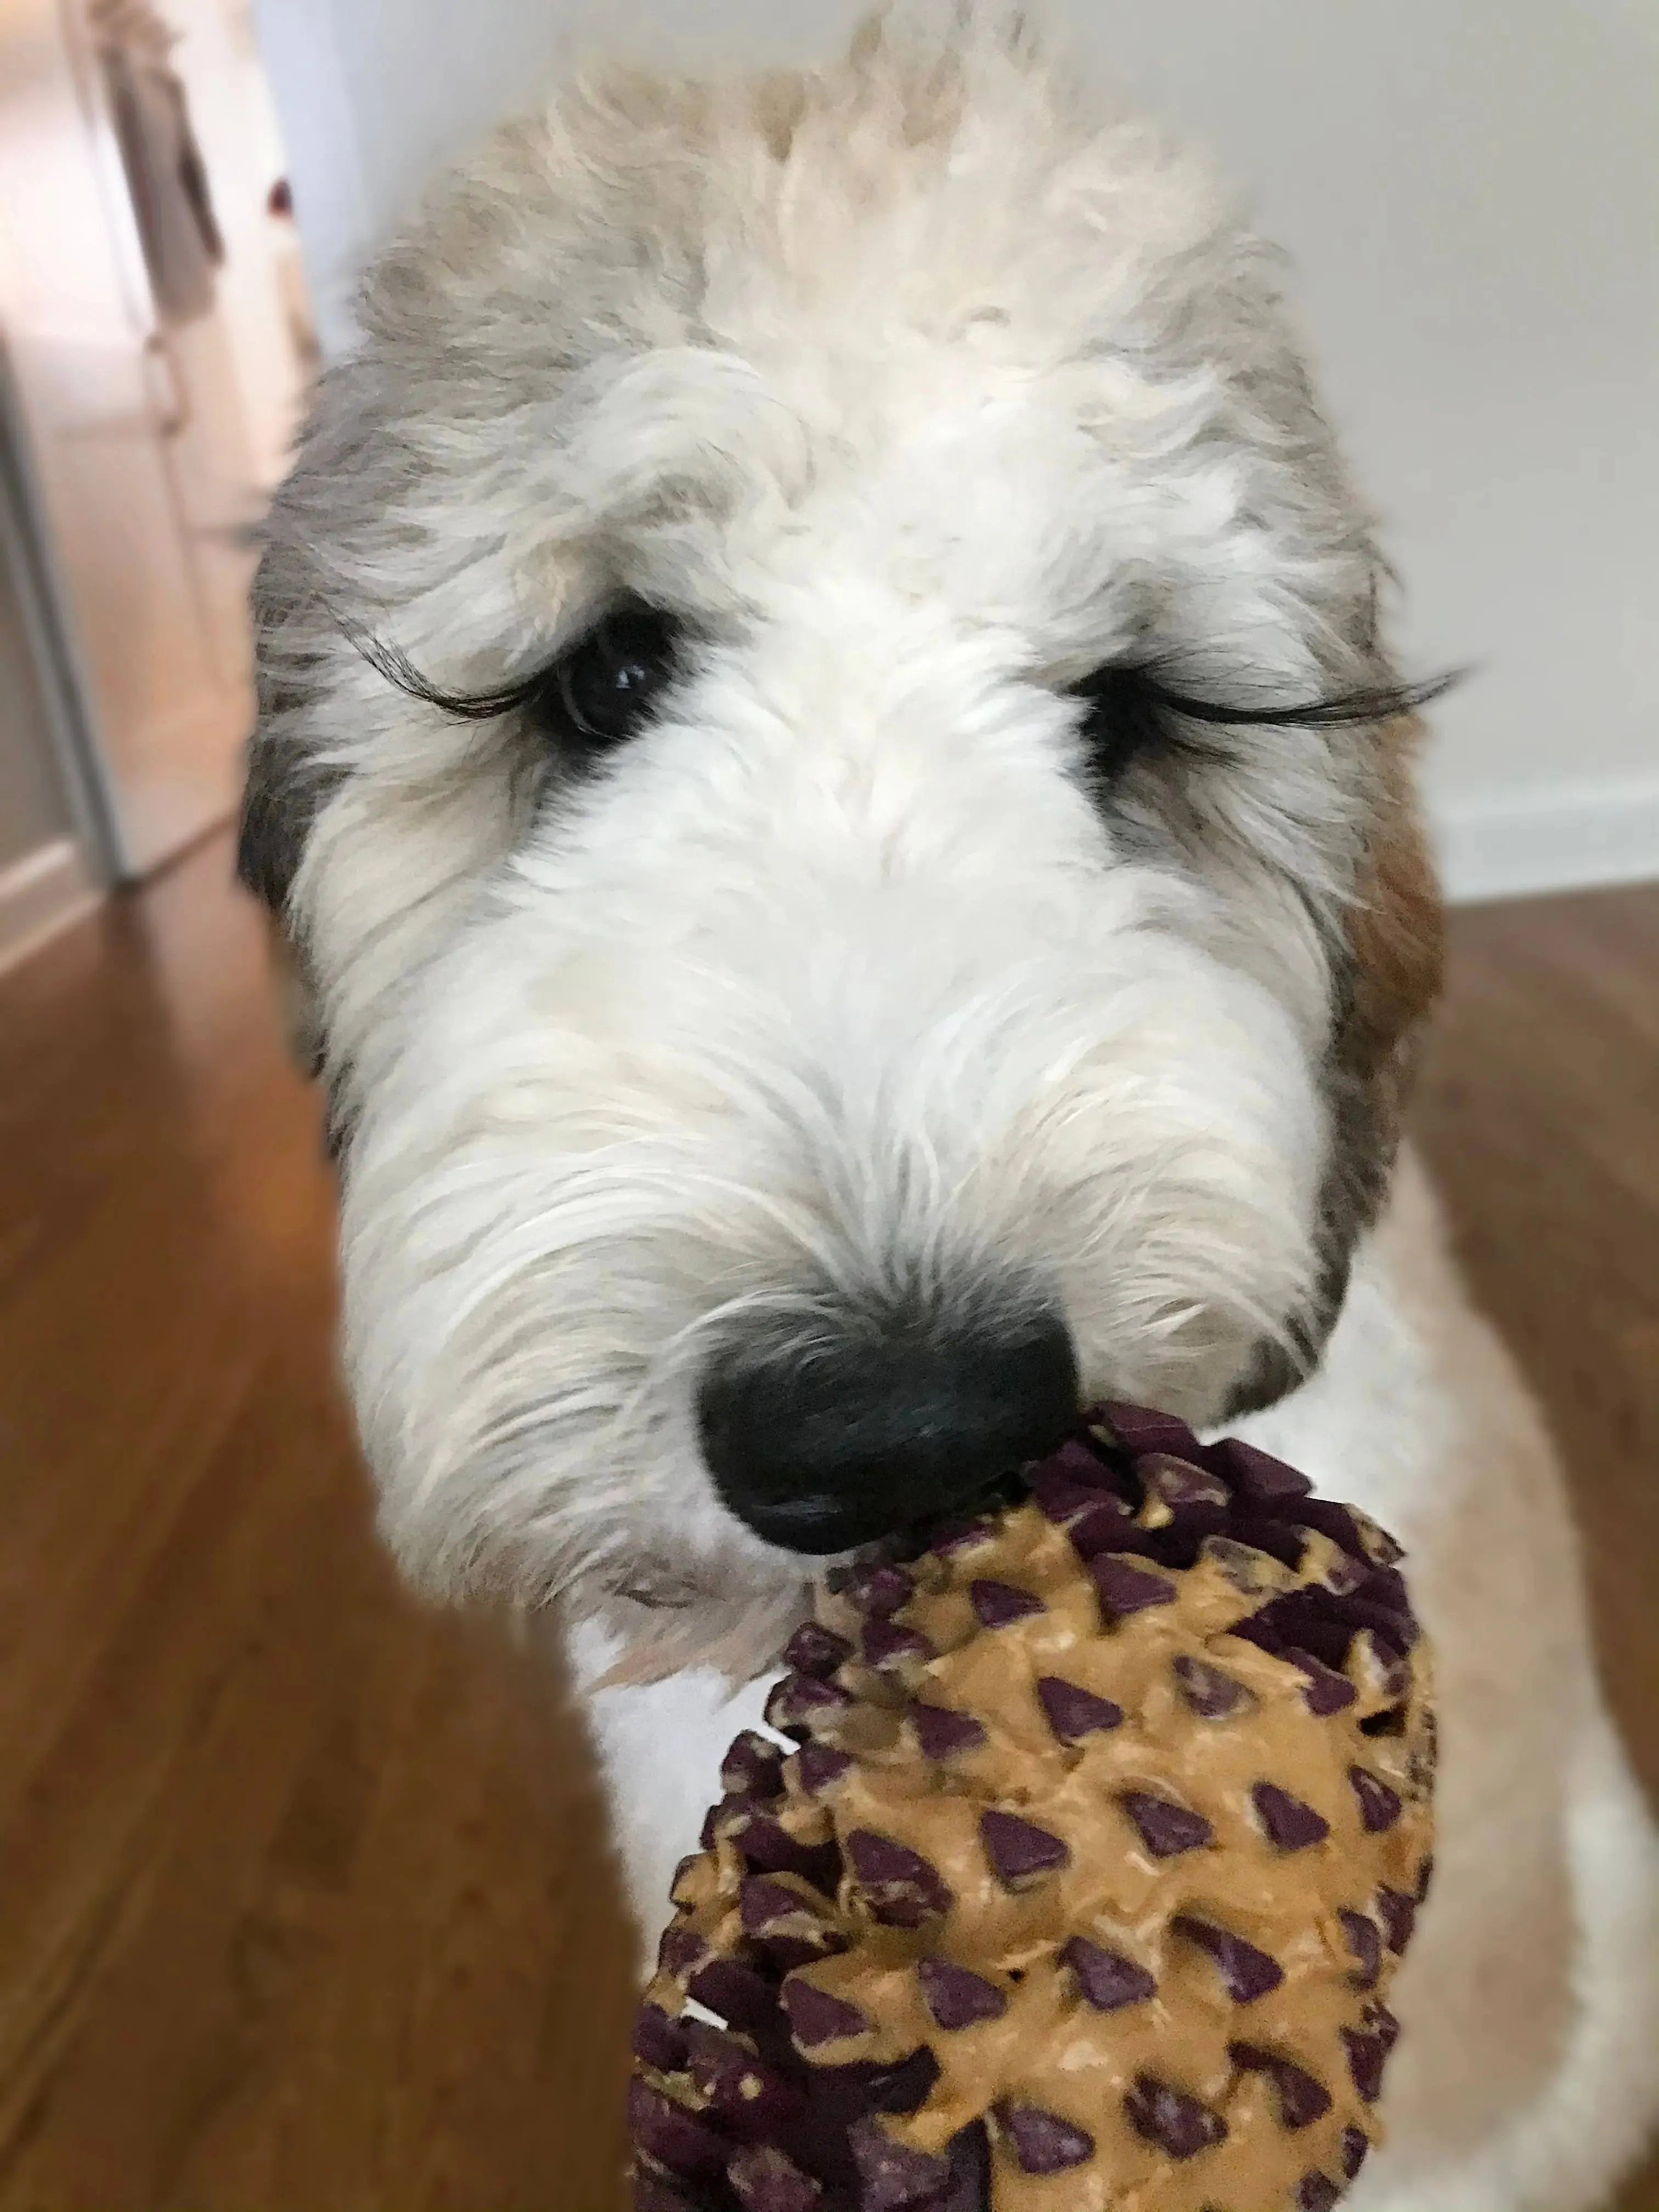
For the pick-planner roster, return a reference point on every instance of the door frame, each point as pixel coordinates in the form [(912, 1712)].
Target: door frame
[(49, 627)]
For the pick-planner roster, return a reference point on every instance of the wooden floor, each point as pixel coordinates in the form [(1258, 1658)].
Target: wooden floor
[(303, 1900)]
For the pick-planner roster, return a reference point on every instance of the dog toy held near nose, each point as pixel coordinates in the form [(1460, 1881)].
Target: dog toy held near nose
[(1107, 1823)]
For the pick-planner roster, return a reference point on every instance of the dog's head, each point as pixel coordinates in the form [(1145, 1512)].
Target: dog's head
[(827, 757)]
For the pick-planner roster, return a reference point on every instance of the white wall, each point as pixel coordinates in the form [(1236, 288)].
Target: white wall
[(231, 108), (1470, 190)]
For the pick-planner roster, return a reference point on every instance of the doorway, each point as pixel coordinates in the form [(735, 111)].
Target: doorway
[(159, 352)]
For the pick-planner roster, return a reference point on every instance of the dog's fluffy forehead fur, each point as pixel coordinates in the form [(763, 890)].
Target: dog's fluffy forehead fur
[(917, 394)]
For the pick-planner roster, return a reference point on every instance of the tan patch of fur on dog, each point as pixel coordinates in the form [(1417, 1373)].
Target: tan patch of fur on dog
[(1397, 934)]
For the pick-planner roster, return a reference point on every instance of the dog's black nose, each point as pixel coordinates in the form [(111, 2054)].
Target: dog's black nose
[(826, 1433)]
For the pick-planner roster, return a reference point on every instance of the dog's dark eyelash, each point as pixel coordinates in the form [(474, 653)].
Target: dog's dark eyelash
[(400, 671), (1126, 686), (1150, 695), (1131, 712), (602, 689), (1378, 703)]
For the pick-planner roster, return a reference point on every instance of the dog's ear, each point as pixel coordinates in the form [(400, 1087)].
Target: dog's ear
[(284, 789), (280, 801), (280, 798), (1396, 945), (1390, 975), (1387, 974)]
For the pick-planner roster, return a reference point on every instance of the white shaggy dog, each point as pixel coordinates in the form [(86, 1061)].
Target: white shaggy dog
[(828, 761)]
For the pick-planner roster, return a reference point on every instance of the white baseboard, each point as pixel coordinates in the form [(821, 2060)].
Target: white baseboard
[(1556, 838), (39, 894)]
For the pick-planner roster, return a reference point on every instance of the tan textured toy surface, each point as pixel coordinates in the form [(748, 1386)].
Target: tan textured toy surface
[(1108, 1821)]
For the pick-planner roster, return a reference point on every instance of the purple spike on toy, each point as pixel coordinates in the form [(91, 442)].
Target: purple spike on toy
[(961, 1535), (1166, 1829), (1107, 1980), (680, 1948), (1398, 1914), (1074, 1713), (900, 1886), (671, 2135), (997, 1604), (754, 1765), (1210, 1693), (819, 1767), (659, 2039), (765, 1903), (1018, 1850), (655, 2192), (1125, 1586), (1171, 2118), (816, 2016), (892, 2176), (1285, 1820), (1077, 1462), (1366, 2055), (1043, 2142), (1302, 2100), (956, 1997), (815, 1650), (1327, 1692), (801, 1703), (768, 1847), (1096, 1521), (1260, 1479), (881, 1588), (1379, 1806), (1184, 1486), (742, 1998), (764, 2178), (888, 1642), (738, 2088), (1316, 2192), (1364, 1941), (941, 1734), (1246, 1973), (1139, 1429)]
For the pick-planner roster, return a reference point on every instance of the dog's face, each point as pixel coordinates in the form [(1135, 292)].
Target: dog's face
[(802, 1006)]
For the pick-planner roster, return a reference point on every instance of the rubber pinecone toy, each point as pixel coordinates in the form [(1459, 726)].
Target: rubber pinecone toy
[(1107, 1824)]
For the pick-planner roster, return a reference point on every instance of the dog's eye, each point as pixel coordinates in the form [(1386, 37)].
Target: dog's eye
[(1119, 718), (602, 691)]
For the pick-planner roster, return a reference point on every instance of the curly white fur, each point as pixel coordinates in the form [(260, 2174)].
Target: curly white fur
[(916, 392)]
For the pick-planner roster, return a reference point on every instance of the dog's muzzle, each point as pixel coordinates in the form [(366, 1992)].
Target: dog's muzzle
[(834, 1426)]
